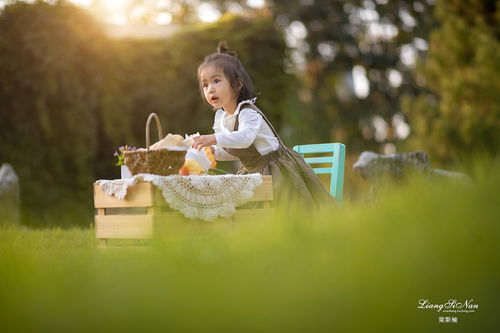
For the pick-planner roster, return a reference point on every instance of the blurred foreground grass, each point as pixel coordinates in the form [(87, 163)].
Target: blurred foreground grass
[(362, 268)]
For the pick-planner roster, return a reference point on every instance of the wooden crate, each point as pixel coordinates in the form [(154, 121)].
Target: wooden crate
[(143, 211)]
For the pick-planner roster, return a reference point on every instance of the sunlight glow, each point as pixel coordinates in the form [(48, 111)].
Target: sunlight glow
[(395, 77), (408, 20), (360, 82), (380, 128), (138, 12), (420, 44), (163, 4), (298, 30), (295, 34), (115, 6), (235, 8), (368, 15), (408, 55), (327, 51), (401, 128), (207, 13), (82, 3), (164, 18), (256, 3), (381, 31), (118, 19)]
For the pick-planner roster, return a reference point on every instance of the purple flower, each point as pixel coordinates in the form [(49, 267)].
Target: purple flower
[(120, 153)]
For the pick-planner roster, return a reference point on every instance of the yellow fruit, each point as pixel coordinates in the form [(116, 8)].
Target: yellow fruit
[(192, 167), (184, 171)]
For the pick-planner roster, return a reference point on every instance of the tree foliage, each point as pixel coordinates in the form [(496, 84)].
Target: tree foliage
[(340, 35), (51, 73), (462, 69)]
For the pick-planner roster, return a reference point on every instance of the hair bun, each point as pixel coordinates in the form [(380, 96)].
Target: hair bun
[(223, 49)]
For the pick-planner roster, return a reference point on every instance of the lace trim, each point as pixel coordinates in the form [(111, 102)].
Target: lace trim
[(203, 197)]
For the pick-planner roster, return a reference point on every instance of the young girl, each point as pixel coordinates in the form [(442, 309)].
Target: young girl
[(243, 132)]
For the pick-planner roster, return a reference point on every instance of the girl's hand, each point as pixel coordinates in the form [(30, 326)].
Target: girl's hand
[(204, 141)]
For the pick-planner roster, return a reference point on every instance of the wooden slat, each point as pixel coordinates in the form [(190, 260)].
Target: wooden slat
[(126, 211), (314, 148), (317, 160), (176, 217), (124, 226), (322, 170), (139, 195)]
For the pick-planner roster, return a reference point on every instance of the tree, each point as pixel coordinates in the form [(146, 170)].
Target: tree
[(50, 78), (462, 70), (367, 36)]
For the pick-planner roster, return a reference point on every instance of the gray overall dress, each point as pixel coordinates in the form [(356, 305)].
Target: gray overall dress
[(294, 181)]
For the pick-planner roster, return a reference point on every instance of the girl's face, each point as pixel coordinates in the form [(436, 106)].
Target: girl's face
[(217, 89)]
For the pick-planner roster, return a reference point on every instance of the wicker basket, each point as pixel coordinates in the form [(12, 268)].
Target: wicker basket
[(161, 162)]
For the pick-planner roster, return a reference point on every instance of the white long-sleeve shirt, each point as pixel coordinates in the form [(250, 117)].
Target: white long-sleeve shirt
[(252, 129)]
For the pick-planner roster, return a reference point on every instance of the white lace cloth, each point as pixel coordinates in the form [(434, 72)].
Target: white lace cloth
[(203, 197)]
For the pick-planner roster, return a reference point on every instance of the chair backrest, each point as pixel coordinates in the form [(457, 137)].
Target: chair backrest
[(336, 159)]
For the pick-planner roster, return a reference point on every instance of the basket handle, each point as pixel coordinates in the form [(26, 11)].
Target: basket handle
[(158, 126)]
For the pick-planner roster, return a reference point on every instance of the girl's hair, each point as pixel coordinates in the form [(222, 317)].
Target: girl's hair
[(233, 69)]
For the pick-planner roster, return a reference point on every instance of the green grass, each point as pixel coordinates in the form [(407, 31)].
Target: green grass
[(362, 268)]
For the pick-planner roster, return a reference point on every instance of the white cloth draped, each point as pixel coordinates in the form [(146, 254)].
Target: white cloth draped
[(203, 197)]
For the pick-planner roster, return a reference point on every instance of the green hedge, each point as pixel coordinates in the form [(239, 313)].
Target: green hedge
[(69, 95)]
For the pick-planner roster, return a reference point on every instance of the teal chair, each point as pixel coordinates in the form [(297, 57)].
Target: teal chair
[(337, 160)]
